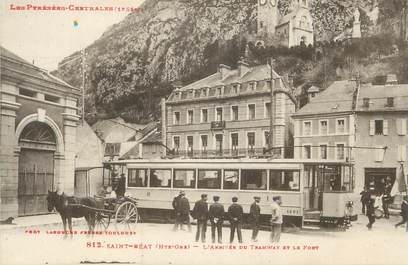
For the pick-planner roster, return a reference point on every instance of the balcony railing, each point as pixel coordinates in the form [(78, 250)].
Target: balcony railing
[(221, 153), (217, 125)]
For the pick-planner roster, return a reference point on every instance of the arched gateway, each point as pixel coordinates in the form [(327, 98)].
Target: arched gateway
[(38, 144)]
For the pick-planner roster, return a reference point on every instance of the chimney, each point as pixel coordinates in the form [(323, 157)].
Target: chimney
[(391, 80), (243, 67), (223, 70)]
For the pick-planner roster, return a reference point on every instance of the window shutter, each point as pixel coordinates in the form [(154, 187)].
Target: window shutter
[(402, 153), (372, 125), (379, 153), (399, 126), (403, 125), (385, 129)]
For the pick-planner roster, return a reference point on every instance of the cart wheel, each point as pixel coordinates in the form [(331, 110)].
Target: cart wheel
[(126, 216), (102, 222)]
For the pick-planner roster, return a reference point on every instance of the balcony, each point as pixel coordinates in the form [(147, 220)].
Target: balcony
[(218, 125), (221, 153)]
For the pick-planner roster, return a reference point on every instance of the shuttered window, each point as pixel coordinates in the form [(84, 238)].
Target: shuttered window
[(378, 127), (401, 126), (372, 125), (385, 127)]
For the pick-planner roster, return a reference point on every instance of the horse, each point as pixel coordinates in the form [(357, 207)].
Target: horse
[(62, 202)]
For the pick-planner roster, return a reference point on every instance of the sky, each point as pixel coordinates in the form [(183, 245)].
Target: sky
[(45, 37)]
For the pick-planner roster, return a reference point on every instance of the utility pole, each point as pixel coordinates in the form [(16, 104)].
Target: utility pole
[(271, 62), (83, 85)]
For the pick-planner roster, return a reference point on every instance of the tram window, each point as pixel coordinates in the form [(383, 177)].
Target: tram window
[(231, 179), (284, 180), (209, 179), (252, 179), (184, 178), (160, 178), (137, 178)]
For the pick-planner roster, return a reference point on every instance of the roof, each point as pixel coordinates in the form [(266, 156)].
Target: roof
[(153, 138), (313, 89), (338, 97), (117, 130), (131, 153), (15, 66), (149, 127), (291, 15), (378, 94), (256, 73), (286, 18)]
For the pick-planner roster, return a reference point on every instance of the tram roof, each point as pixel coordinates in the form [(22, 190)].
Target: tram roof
[(230, 161)]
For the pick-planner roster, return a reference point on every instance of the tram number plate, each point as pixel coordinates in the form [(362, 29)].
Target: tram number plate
[(291, 211)]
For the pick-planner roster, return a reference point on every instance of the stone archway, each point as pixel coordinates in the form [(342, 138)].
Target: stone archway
[(38, 142)]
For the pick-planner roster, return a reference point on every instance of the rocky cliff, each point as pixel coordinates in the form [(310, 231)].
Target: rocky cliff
[(136, 61)]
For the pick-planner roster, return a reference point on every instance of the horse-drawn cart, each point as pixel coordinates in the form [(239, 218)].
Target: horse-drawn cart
[(123, 211)]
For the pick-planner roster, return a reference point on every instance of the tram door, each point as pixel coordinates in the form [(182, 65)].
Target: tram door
[(313, 188)]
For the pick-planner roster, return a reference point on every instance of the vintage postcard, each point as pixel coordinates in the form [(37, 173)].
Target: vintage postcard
[(204, 132)]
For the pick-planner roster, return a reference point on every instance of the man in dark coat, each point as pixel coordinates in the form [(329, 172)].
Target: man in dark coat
[(200, 212), (184, 210), (370, 213), (175, 205), (216, 214), (235, 214), (404, 213), (365, 197), (181, 207), (386, 198), (255, 214), (121, 187)]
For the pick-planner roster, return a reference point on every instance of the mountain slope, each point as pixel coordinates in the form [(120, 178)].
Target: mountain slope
[(136, 61)]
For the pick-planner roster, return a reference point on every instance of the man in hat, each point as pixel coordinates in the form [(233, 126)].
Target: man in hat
[(121, 187), (200, 212), (216, 214), (255, 214), (276, 220), (181, 207), (404, 213), (184, 210), (235, 214), (175, 205)]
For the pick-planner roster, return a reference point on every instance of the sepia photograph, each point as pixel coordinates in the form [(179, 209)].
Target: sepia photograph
[(201, 132)]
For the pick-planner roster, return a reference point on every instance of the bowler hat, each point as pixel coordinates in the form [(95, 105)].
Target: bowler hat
[(234, 199), (257, 198), (275, 198)]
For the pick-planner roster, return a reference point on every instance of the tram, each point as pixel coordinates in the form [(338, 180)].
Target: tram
[(312, 191)]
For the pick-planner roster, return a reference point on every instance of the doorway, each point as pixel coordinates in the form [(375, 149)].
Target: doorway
[(35, 168)]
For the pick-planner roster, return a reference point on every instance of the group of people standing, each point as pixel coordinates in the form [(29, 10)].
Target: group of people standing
[(217, 215), (371, 201)]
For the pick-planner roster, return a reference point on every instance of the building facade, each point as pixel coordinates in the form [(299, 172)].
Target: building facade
[(362, 124), (228, 114), (38, 132)]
